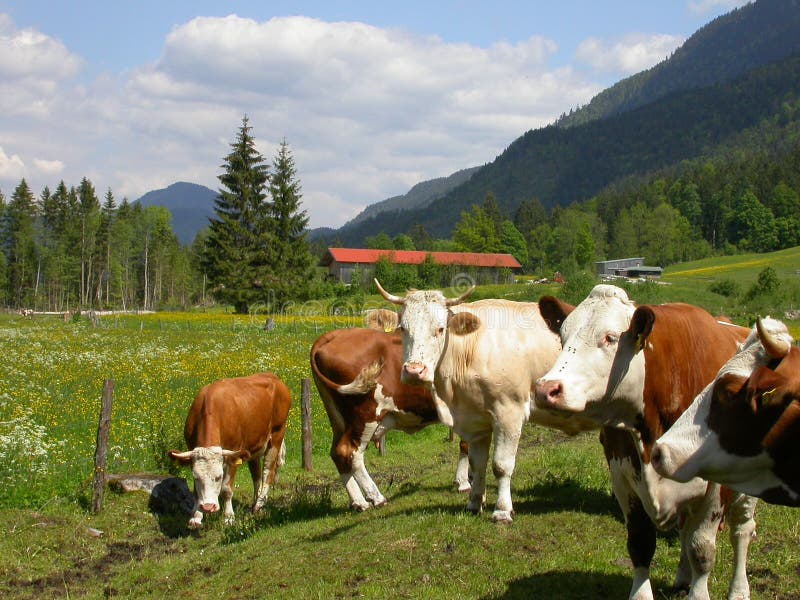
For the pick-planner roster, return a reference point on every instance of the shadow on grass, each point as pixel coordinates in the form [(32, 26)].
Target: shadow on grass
[(575, 585), (558, 495)]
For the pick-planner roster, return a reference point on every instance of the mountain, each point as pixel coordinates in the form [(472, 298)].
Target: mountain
[(190, 204), (419, 196), (703, 102)]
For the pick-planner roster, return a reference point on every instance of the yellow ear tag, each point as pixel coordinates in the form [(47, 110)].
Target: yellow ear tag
[(766, 397), (638, 344), (238, 461), (388, 329)]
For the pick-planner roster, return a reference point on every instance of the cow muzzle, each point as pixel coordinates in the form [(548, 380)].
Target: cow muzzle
[(549, 394), (415, 374), (209, 507), (663, 461)]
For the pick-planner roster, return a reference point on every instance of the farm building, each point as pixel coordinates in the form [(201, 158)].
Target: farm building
[(626, 267), (343, 262)]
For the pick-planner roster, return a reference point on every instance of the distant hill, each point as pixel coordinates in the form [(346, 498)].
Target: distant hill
[(732, 44), (190, 204)]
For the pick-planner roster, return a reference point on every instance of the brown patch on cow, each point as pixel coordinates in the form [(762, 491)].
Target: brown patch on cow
[(554, 311), (463, 323), (684, 348)]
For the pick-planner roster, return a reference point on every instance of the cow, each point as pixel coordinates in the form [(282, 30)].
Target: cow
[(743, 429), (381, 319), (230, 421), (633, 370), (480, 360), (357, 374)]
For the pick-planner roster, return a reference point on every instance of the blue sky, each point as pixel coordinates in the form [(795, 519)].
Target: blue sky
[(372, 97)]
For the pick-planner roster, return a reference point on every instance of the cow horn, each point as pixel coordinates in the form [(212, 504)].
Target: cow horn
[(181, 455), (774, 347), (390, 297), (461, 298)]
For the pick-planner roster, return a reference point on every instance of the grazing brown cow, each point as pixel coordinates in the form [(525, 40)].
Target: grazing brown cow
[(743, 431), (357, 373), (633, 371), (231, 421)]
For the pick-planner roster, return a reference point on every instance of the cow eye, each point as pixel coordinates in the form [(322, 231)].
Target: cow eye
[(610, 339), (440, 331)]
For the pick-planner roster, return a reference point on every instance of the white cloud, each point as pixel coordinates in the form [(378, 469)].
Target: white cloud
[(629, 54), (706, 7), (367, 112), (11, 167)]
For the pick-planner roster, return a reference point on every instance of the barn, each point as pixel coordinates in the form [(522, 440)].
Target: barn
[(626, 267), (343, 262)]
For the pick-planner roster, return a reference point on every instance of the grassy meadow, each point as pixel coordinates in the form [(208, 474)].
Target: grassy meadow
[(567, 539)]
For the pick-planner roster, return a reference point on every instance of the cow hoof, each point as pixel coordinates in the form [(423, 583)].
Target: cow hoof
[(195, 524), (473, 509), (380, 503), (502, 516), (359, 507), (230, 520), (464, 488)]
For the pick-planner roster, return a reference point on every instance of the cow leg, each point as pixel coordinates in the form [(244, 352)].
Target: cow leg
[(226, 494), (371, 491), (641, 547), (740, 516), (463, 484), (699, 539), (196, 520), (273, 459), (342, 455), (478, 457), (256, 473), (506, 441)]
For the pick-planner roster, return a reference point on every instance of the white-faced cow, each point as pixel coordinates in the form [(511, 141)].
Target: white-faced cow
[(481, 361), (743, 430), (633, 371), (241, 419), (357, 373)]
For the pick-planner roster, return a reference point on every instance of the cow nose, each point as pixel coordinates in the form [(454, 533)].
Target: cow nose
[(548, 394), (659, 458), (414, 372), (209, 508)]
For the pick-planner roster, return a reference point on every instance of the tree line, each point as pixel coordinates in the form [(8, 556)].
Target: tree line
[(65, 250)]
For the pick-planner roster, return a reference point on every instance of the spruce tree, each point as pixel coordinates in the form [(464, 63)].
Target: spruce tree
[(235, 257), (290, 253), (20, 245)]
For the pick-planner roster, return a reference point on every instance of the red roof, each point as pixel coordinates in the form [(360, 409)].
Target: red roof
[(414, 257)]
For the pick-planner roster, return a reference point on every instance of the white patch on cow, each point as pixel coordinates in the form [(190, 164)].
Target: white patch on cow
[(399, 419), (424, 325), (208, 471)]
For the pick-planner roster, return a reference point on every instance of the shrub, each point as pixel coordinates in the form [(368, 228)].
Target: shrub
[(726, 287)]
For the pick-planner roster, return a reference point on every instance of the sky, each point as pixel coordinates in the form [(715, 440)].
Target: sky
[(371, 97)]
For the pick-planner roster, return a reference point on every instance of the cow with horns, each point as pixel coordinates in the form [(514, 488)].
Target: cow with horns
[(357, 374), (230, 421), (633, 370), (743, 430), (480, 360)]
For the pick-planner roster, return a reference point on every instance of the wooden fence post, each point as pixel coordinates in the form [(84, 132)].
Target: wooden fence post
[(305, 412), (102, 443)]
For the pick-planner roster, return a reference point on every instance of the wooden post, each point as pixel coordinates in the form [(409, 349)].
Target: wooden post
[(102, 443), (382, 445), (305, 412)]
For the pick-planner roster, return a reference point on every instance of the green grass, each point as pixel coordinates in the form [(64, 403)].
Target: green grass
[(567, 539)]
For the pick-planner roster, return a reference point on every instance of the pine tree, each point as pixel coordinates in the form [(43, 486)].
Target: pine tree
[(290, 256), (236, 254), (104, 245), (20, 245)]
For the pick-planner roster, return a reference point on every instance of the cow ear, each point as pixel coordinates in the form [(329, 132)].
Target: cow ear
[(182, 458), (462, 323), (641, 326), (554, 311), (236, 457), (728, 387), (762, 388)]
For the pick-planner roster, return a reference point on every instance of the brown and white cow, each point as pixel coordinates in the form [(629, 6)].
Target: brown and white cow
[(241, 419), (633, 371), (743, 430), (480, 360), (357, 373)]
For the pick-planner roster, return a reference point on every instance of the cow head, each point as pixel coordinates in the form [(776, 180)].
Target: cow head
[(209, 471), (742, 430), (599, 373), (425, 321)]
